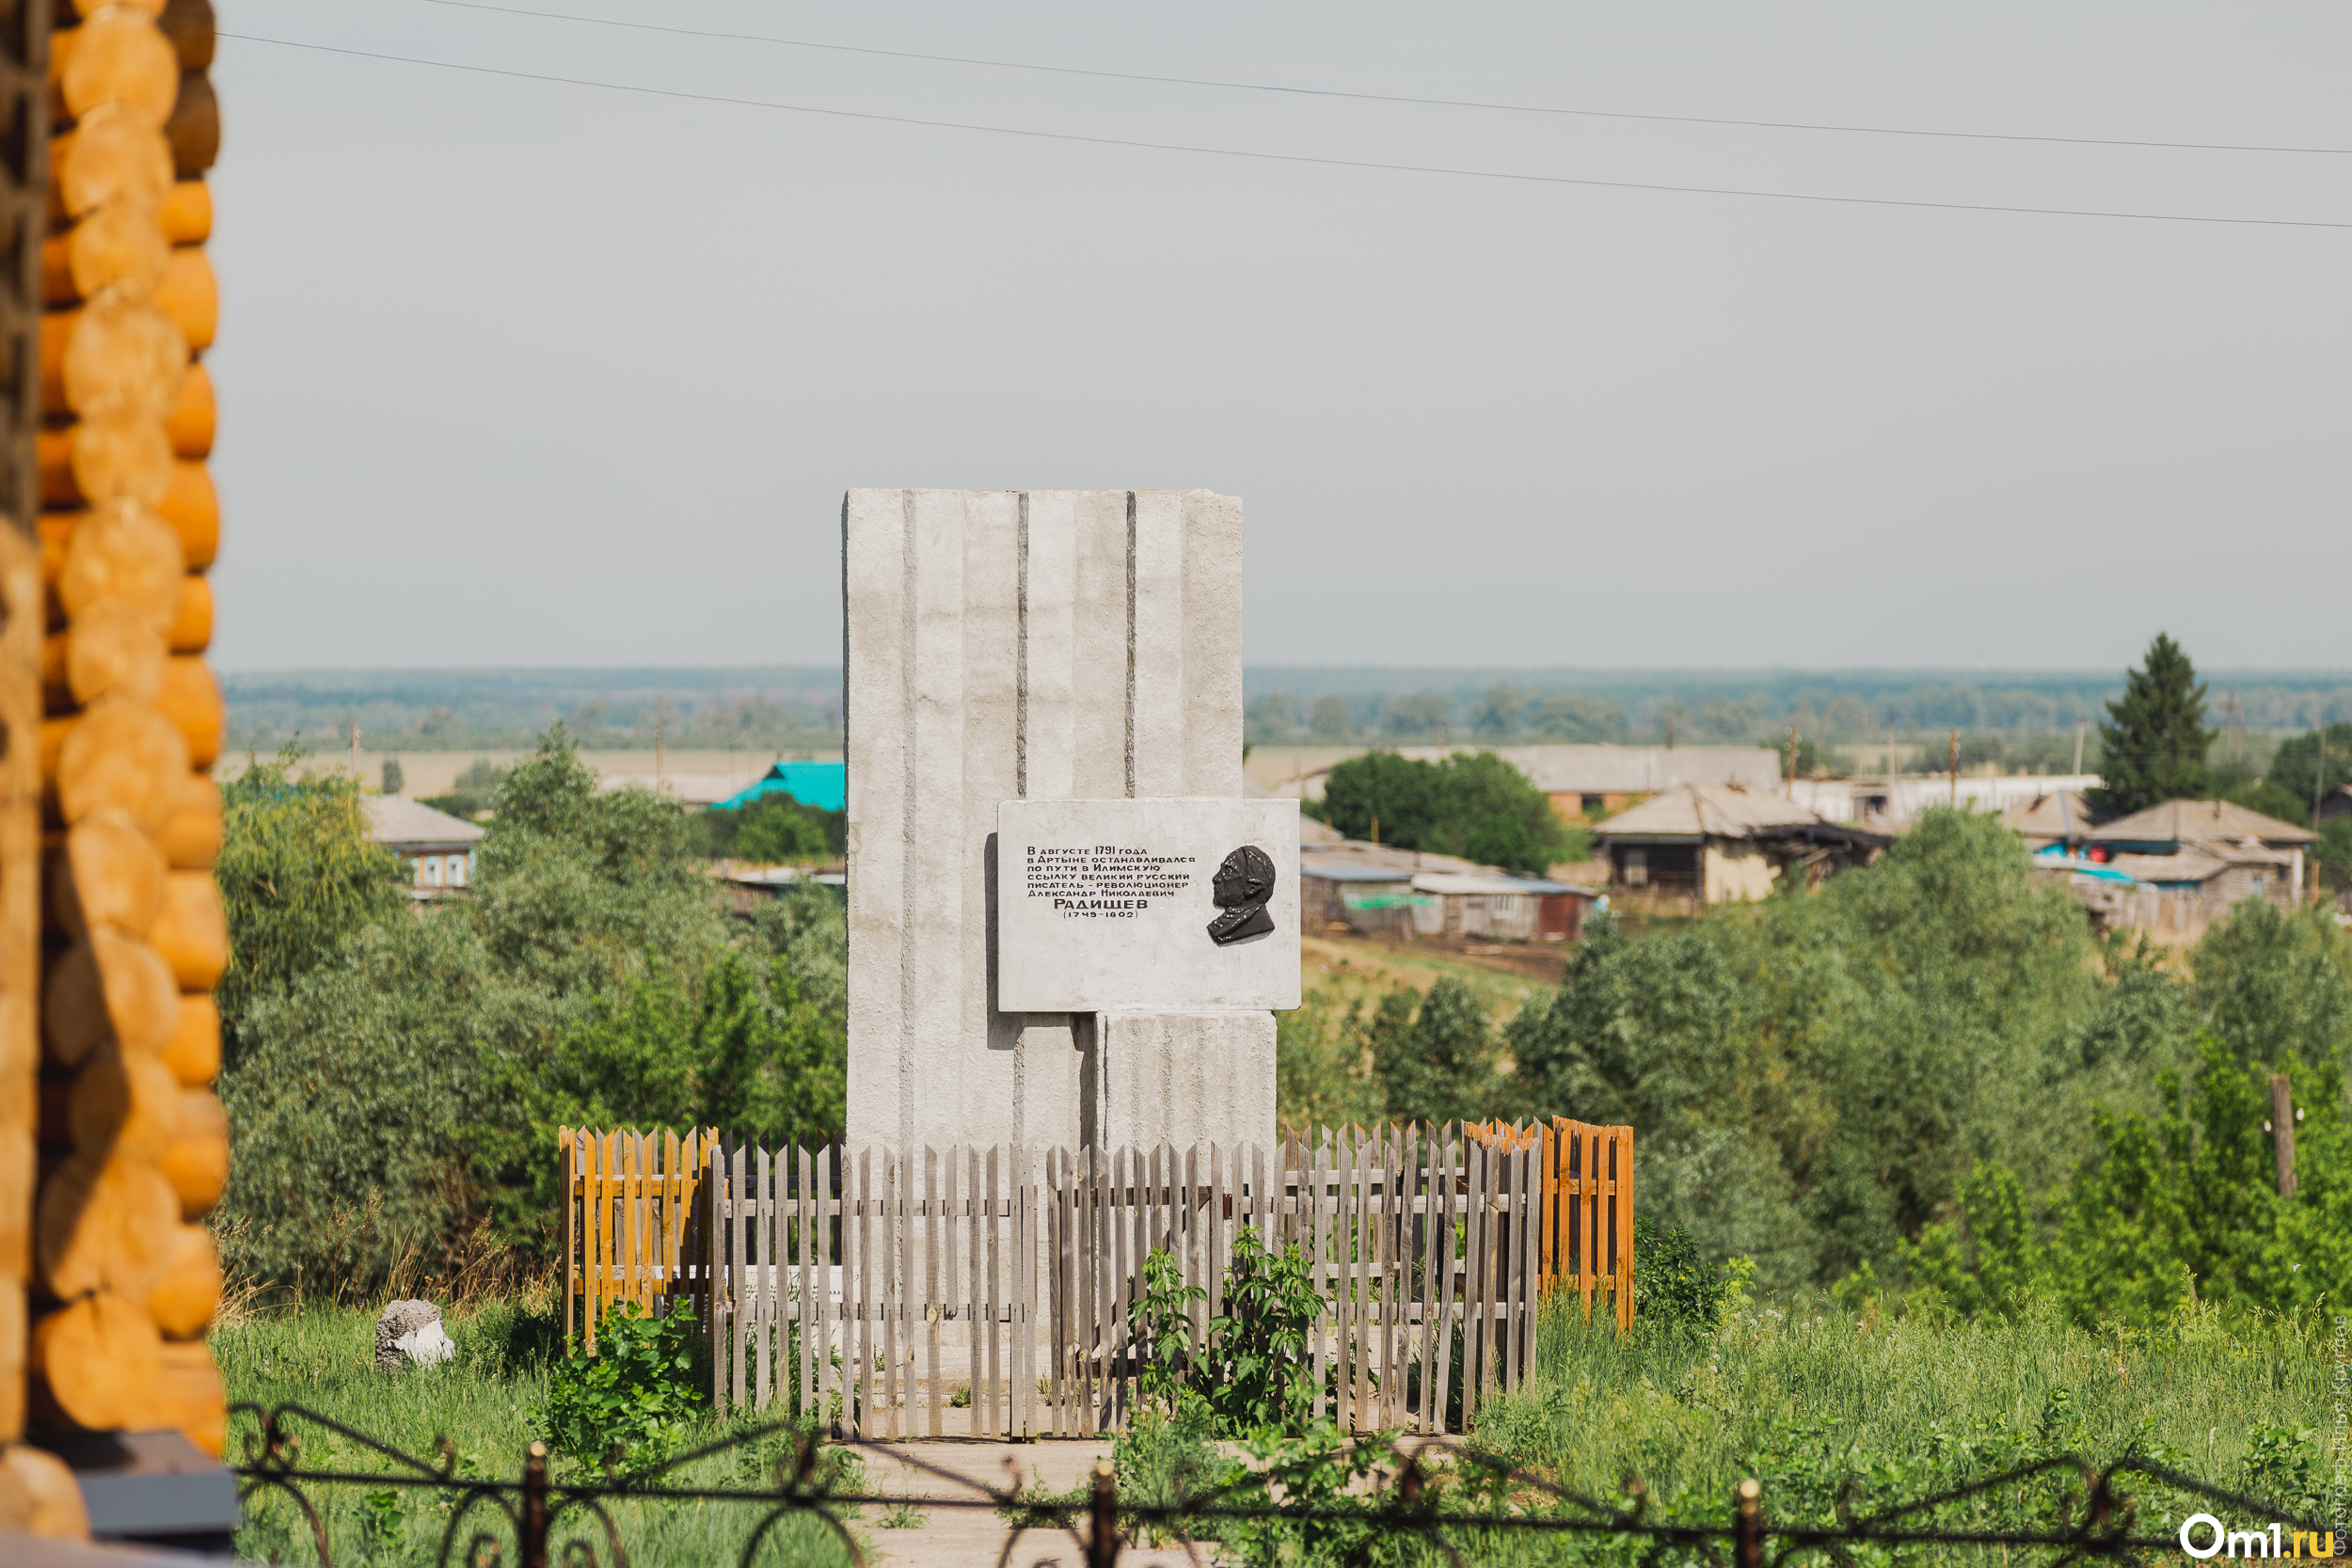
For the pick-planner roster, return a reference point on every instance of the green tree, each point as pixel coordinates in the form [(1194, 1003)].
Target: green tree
[(1327, 721), (1416, 715), (1474, 805), (297, 877), (2275, 987), (2188, 1199), (1440, 1066), (2153, 741), (775, 830), (2309, 767), (1501, 713), (1566, 716), (403, 1092), (2331, 857)]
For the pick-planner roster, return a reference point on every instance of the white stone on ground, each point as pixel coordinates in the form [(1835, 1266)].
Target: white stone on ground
[(409, 1333)]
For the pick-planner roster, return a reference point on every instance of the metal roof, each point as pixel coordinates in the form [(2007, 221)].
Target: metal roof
[(1625, 769), (1455, 882), (2058, 814), (2196, 821), (1709, 811), (1331, 873), (404, 824), (821, 784)]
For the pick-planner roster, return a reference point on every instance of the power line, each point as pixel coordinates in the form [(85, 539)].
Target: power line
[(1376, 97), (1298, 157)]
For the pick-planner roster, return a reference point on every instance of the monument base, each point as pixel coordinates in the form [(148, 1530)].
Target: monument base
[(1201, 1076)]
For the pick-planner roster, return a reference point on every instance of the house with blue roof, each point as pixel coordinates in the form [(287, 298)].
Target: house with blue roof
[(823, 785)]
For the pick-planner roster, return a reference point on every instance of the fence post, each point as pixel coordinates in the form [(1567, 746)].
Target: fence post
[(534, 1521), (2282, 1132), (1748, 1540), (1103, 1532), (565, 1158)]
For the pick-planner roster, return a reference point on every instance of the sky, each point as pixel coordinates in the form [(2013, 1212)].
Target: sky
[(518, 372)]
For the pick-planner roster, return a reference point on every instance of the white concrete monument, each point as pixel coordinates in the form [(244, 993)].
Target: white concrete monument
[(1050, 646)]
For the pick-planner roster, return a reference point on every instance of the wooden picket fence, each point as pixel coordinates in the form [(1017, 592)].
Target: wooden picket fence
[(630, 1227), (992, 1292), (1587, 1242)]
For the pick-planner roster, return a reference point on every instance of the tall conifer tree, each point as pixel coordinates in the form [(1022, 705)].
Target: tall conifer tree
[(2155, 736)]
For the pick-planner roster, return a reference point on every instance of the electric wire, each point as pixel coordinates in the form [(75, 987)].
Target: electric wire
[(1377, 96), (1299, 157)]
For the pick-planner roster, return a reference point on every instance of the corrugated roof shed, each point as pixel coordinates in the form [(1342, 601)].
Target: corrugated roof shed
[(404, 824), (1627, 770), (2195, 821), (2058, 814), (1709, 811)]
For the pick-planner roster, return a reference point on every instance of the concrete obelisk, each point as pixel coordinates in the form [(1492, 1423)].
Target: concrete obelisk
[(1030, 647)]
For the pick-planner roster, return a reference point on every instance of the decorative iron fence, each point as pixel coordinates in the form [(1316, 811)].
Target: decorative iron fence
[(2092, 1514)]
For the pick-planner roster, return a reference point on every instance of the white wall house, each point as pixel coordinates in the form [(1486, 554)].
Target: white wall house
[(436, 850)]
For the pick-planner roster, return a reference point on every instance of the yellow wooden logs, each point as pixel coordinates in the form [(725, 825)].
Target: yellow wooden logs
[(99, 1358), (133, 718), (192, 1053), (52, 1506)]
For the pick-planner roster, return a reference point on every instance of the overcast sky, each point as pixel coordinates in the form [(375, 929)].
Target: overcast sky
[(520, 372)]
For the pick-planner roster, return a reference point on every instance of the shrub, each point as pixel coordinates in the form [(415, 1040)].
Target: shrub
[(628, 1406), (1253, 1374), (1677, 1292)]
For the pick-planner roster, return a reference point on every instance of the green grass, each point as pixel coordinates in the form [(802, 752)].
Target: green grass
[(484, 1402), (1814, 1401), (1807, 1403)]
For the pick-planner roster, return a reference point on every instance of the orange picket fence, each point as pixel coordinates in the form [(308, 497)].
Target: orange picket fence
[(629, 1222), (1585, 1241)]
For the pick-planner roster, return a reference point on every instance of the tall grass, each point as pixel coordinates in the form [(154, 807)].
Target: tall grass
[(1824, 1405), (484, 1402)]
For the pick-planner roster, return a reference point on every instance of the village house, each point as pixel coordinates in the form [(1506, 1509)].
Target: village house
[(1402, 895), (2217, 851), (1593, 781), (436, 850), (1719, 844), (2056, 818)]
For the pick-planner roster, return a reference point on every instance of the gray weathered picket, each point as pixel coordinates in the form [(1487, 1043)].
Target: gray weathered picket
[(992, 1292)]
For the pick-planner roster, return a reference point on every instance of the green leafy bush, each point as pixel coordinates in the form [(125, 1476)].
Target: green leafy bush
[(627, 1406), (1675, 1289), (1256, 1373), (1253, 1373)]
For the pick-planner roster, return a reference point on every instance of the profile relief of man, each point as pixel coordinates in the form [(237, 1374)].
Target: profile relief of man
[(1241, 886)]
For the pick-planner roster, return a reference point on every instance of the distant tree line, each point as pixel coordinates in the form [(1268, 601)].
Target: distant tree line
[(2018, 727), (750, 720)]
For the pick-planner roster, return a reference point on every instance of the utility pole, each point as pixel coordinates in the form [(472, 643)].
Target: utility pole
[(2319, 771), (1792, 762), (1952, 764), (1670, 735), (354, 755), (1890, 771), (2078, 748), (2281, 1127)]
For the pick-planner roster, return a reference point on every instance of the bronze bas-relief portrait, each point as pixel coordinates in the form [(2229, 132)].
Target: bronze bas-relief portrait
[(1241, 886)]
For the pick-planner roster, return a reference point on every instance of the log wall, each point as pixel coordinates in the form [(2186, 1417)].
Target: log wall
[(133, 1149)]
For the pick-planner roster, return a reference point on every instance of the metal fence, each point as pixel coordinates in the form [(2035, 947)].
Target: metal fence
[(2091, 1512)]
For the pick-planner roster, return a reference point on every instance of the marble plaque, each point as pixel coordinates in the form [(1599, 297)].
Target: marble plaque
[(1121, 904)]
